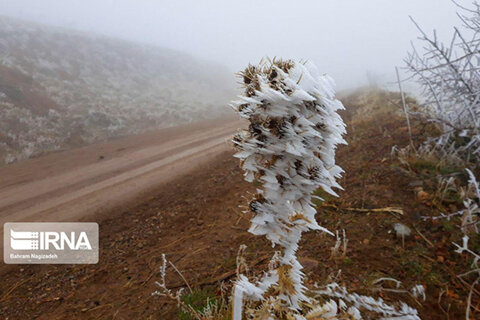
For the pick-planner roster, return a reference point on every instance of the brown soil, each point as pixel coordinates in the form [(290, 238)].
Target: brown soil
[(195, 220)]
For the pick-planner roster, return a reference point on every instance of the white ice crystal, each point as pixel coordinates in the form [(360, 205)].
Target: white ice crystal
[(388, 312), (289, 148)]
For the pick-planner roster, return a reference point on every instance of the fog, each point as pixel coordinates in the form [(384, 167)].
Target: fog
[(345, 38)]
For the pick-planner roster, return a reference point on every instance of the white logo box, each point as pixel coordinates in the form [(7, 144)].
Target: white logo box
[(50, 242)]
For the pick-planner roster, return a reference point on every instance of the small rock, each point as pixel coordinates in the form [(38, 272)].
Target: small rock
[(422, 195)]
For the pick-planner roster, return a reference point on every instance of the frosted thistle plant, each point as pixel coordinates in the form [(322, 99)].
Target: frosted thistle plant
[(289, 148)]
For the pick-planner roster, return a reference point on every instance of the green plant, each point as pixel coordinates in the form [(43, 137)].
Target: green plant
[(197, 300)]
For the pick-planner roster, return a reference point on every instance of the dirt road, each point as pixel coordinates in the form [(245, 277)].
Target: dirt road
[(74, 185)]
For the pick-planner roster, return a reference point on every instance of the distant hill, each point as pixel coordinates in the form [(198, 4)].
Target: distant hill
[(61, 88)]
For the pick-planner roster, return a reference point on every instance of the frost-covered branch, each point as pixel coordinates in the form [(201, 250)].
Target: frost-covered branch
[(289, 148), (378, 306), (449, 75), (475, 270)]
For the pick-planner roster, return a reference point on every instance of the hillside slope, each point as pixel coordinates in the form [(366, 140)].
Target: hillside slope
[(60, 88)]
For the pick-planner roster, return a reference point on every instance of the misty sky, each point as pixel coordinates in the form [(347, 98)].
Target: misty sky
[(343, 37)]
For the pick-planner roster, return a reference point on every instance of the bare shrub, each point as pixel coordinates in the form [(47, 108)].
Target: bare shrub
[(449, 76)]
